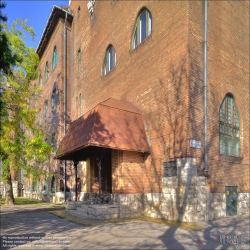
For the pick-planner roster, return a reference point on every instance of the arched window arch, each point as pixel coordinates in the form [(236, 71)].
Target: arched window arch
[(54, 58), (143, 28), (229, 127), (109, 60), (53, 184), (46, 73)]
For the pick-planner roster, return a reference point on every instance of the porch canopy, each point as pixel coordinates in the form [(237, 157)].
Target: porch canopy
[(111, 124)]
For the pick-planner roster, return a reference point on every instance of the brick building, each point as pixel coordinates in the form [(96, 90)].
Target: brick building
[(134, 75)]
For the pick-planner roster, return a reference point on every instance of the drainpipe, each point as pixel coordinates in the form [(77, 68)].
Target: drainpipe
[(205, 86), (205, 106), (65, 97)]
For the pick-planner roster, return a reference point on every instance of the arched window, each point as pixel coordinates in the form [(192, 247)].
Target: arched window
[(109, 60), (54, 58), (229, 128), (78, 11), (46, 109), (40, 81), (53, 185), (78, 61), (46, 73), (143, 28), (54, 99), (77, 114), (80, 103)]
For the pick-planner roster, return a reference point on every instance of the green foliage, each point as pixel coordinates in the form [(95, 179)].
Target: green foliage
[(22, 141), (7, 58), (25, 201)]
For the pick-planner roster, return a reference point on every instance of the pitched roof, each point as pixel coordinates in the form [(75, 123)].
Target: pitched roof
[(56, 13), (111, 124)]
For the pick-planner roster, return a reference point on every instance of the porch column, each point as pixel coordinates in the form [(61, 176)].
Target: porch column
[(75, 166)]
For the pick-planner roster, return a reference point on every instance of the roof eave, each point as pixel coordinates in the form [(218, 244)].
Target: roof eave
[(48, 29)]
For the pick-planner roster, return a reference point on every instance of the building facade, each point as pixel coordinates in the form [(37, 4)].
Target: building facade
[(129, 85)]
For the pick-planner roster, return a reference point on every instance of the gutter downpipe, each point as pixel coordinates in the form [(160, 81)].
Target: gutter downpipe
[(65, 99), (205, 104)]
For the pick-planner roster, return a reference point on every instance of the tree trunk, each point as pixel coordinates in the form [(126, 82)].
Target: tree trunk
[(9, 197)]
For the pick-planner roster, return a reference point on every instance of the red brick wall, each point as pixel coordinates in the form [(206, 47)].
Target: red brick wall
[(164, 77), (152, 77), (228, 72), (228, 67), (54, 123)]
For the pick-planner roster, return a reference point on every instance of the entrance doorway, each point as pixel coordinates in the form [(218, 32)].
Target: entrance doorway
[(231, 200), (106, 173)]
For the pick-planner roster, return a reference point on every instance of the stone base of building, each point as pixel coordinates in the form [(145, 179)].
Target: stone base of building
[(185, 197), (119, 206), (217, 208), (57, 197)]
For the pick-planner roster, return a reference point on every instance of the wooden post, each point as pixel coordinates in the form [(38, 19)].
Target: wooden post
[(75, 165)]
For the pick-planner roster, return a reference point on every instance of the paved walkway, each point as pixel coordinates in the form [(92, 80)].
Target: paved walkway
[(31, 227)]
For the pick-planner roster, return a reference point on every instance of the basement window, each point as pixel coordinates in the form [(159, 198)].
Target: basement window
[(170, 169)]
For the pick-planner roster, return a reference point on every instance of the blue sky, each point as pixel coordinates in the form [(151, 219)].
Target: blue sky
[(37, 13)]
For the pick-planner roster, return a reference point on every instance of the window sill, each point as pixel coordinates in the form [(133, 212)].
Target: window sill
[(229, 158), (112, 70), (132, 51)]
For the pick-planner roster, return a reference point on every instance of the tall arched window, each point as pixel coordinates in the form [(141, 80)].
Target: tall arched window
[(46, 73), (143, 28), (40, 81), (80, 104), (53, 184), (109, 60), (54, 58), (229, 128), (78, 61)]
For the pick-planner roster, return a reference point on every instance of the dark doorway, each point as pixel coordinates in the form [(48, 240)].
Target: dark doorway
[(106, 178), (231, 200)]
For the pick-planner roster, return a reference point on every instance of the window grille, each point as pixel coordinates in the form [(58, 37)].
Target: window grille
[(229, 128)]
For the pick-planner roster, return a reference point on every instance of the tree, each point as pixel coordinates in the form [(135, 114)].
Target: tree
[(6, 57), (22, 141)]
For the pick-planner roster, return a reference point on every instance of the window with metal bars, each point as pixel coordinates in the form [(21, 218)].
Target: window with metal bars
[(109, 60), (229, 128), (143, 28)]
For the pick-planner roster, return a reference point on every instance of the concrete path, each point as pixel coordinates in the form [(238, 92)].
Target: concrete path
[(31, 227)]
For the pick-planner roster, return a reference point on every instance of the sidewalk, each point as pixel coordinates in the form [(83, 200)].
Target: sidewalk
[(31, 227)]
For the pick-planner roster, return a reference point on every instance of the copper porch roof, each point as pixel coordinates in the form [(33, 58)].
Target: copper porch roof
[(111, 124)]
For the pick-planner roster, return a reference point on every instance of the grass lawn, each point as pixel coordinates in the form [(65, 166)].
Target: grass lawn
[(24, 201)]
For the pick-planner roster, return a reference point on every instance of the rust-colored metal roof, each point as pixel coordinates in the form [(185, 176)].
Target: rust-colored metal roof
[(111, 124)]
